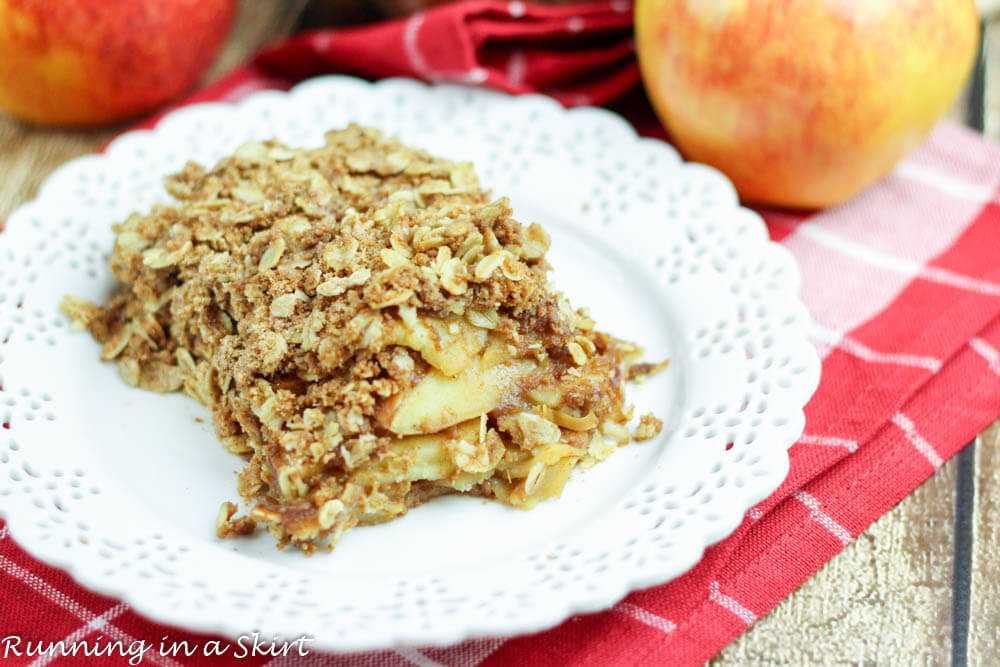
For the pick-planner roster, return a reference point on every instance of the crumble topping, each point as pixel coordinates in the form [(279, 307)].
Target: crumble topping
[(370, 330), (649, 427)]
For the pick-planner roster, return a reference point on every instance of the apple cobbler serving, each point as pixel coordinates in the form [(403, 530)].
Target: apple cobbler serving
[(370, 331)]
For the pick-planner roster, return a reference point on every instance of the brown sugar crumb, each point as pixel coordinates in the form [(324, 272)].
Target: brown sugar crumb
[(226, 525), (370, 329), (649, 427), (641, 371)]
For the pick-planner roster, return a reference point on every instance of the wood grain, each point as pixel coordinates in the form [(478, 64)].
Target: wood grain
[(984, 624)]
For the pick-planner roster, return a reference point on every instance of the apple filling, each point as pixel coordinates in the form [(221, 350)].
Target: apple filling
[(370, 330)]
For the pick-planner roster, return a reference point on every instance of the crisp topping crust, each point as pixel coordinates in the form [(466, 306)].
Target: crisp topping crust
[(370, 330)]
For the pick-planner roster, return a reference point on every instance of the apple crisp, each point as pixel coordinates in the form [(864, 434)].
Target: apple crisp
[(369, 329)]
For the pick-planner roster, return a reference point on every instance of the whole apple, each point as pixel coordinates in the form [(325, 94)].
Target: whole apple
[(91, 62), (802, 103)]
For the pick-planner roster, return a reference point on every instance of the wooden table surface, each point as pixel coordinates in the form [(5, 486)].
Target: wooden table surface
[(921, 585)]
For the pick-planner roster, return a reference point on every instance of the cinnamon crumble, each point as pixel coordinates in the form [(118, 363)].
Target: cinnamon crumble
[(370, 330)]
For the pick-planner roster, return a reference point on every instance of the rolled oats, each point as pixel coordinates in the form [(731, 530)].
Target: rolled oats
[(272, 255)]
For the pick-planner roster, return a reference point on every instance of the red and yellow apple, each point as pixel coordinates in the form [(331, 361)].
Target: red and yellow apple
[(90, 62), (802, 103)]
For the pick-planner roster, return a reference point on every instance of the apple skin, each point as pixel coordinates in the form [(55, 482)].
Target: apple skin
[(803, 103), (94, 62)]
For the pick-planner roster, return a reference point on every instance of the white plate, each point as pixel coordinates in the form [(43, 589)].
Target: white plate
[(121, 486)]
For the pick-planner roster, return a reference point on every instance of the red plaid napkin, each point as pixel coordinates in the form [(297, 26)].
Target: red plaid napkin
[(903, 283)]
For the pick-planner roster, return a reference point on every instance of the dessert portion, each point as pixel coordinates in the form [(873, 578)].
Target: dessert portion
[(370, 330)]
